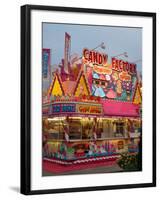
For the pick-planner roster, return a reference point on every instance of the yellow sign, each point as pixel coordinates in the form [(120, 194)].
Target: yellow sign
[(124, 76), (102, 70), (89, 109)]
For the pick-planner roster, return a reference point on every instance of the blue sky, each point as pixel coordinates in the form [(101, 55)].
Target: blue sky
[(117, 40)]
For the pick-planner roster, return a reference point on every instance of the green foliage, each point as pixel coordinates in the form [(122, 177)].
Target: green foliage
[(129, 162)]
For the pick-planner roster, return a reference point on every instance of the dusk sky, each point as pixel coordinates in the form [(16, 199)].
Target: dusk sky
[(117, 40)]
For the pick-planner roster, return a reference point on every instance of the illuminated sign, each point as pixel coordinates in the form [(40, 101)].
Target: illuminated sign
[(79, 108), (95, 57), (67, 107), (102, 70), (89, 109), (45, 62), (120, 65), (124, 76)]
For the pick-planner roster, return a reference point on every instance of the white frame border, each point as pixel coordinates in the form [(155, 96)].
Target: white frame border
[(43, 183)]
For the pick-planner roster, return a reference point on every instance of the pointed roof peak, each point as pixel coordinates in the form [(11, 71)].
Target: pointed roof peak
[(56, 87), (84, 88), (137, 97)]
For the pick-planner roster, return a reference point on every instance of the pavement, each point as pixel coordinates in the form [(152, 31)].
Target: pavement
[(101, 169)]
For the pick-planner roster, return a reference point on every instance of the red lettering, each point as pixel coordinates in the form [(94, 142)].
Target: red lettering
[(105, 58), (94, 56), (86, 54), (117, 65), (100, 59), (90, 56), (124, 66), (134, 68), (121, 65), (113, 63), (127, 66)]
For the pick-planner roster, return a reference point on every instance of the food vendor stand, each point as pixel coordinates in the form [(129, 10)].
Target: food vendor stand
[(97, 116)]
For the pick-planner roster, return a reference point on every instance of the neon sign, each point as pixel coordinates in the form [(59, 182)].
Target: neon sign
[(57, 108), (95, 57), (88, 109), (120, 65), (102, 70), (46, 62)]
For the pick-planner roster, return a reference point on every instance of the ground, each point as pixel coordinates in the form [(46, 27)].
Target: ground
[(101, 169)]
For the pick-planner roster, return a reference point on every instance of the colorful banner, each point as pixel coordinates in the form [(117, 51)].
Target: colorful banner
[(46, 54), (117, 82)]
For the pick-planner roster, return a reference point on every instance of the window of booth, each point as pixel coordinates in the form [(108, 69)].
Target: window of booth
[(120, 128), (79, 128), (61, 129), (134, 127), (99, 127), (55, 129), (137, 125), (75, 128), (87, 128), (107, 131)]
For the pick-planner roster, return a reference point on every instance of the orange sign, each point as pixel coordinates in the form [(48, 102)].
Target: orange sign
[(89, 109), (124, 76), (102, 70)]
